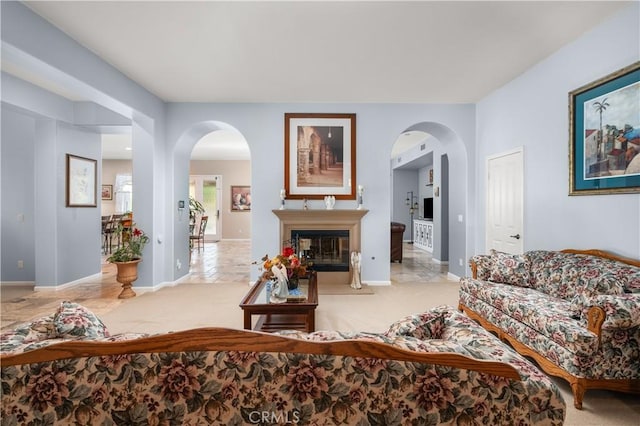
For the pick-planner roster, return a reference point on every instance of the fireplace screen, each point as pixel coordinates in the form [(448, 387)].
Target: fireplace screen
[(323, 250)]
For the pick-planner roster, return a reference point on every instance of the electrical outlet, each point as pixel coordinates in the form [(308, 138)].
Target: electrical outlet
[(460, 262), (20, 264), (178, 264)]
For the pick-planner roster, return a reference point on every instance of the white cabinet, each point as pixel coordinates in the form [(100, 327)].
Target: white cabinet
[(423, 234)]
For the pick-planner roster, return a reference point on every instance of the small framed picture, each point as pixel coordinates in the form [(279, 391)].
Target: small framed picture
[(107, 192), (81, 182), (240, 198)]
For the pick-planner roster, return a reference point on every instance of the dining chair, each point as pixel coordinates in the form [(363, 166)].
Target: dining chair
[(199, 237)]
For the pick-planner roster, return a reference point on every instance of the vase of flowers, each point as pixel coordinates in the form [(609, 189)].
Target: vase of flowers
[(127, 257), (296, 269)]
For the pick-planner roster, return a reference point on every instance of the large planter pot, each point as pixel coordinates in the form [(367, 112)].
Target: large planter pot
[(127, 273)]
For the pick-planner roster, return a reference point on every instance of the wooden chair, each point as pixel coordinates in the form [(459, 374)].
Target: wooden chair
[(199, 237)]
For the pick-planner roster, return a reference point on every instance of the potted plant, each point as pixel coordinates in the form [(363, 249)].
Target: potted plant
[(127, 257), (195, 208)]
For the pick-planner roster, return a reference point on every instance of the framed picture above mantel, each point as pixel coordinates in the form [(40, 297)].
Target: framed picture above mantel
[(604, 136), (320, 156)]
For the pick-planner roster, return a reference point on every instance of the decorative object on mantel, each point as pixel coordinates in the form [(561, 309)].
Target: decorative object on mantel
[(320, 155), (329, 201), (360, 192), (127, 257), (356, 259), (604, 135), (305, 206), (283, 196)]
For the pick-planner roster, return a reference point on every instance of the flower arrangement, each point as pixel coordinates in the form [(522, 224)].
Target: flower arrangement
[(134, 241), (288, 258)]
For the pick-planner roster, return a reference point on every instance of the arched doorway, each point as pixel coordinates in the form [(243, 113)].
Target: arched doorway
[(215, 150), (429, 165)]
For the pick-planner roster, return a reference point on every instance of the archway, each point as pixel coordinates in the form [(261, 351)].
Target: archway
[(450, 189), (215, 145)]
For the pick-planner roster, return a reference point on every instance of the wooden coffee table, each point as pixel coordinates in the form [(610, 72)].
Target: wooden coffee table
[(298, 314)]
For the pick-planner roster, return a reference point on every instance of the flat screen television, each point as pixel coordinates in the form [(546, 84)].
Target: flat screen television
[(428, 208)]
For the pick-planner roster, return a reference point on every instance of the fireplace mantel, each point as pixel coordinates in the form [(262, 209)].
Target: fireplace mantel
[(323, 220), (305, 216)]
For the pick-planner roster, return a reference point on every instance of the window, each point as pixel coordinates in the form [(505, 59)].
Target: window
[(124, 193)]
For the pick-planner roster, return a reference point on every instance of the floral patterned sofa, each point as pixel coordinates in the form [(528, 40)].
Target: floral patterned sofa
[(576, 313), (431, 368)]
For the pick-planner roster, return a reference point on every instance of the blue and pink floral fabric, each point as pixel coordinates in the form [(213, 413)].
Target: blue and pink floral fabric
[(238, 387), (71, 321), (551, 316)]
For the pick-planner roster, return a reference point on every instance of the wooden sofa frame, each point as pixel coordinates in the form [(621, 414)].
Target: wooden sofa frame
[(595, 319), (223, 339)]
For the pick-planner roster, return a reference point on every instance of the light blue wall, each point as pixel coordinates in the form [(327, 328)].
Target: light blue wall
[(18, 237), (532, 111), (30, 42), (262, 125)]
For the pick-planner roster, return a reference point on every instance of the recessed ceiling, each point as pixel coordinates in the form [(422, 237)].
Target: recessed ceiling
[(334, 51)]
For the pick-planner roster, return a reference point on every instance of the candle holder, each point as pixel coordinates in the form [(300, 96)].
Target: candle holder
[(283, 196), (360, 192)]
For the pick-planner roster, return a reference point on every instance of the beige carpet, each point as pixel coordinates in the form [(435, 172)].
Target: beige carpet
[(206, 305), (344, 289)]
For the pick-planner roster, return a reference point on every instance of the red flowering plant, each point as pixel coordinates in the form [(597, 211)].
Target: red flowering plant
[(134, 241), (295, 268)]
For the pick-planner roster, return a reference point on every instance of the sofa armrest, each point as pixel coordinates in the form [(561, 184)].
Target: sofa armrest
[(480, 265), (617, 311)]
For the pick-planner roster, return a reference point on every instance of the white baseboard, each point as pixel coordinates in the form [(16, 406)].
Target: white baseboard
[(17, 284), (452, 277), (376, 283), (440, 262), (69, 284)]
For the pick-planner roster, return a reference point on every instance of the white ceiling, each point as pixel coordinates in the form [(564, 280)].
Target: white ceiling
[(323, 51)]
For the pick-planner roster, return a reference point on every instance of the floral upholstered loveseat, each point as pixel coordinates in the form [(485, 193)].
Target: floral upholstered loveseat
[(432, 368), (577, 313)]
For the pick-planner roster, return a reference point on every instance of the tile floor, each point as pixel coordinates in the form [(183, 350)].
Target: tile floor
[(224, 261)]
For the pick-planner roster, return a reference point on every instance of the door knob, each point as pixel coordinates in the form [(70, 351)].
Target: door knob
[(517, 236)]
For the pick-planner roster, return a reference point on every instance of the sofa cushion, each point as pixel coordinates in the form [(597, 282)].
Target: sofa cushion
[(74, 320), (509, 269), (591, 285), (541, 313)]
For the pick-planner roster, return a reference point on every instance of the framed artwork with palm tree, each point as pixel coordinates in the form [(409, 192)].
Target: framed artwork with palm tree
[(604, 135)]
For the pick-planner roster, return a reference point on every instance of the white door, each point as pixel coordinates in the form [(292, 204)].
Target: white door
[(207, 189), (505, 195)]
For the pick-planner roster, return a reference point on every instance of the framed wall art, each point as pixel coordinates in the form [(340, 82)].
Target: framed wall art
[(604, 136), (240, 198), (81, 185), (320, 156), (107, 192)]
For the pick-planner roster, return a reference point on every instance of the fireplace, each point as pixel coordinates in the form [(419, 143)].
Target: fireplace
[(334, 234), (324, 250)]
